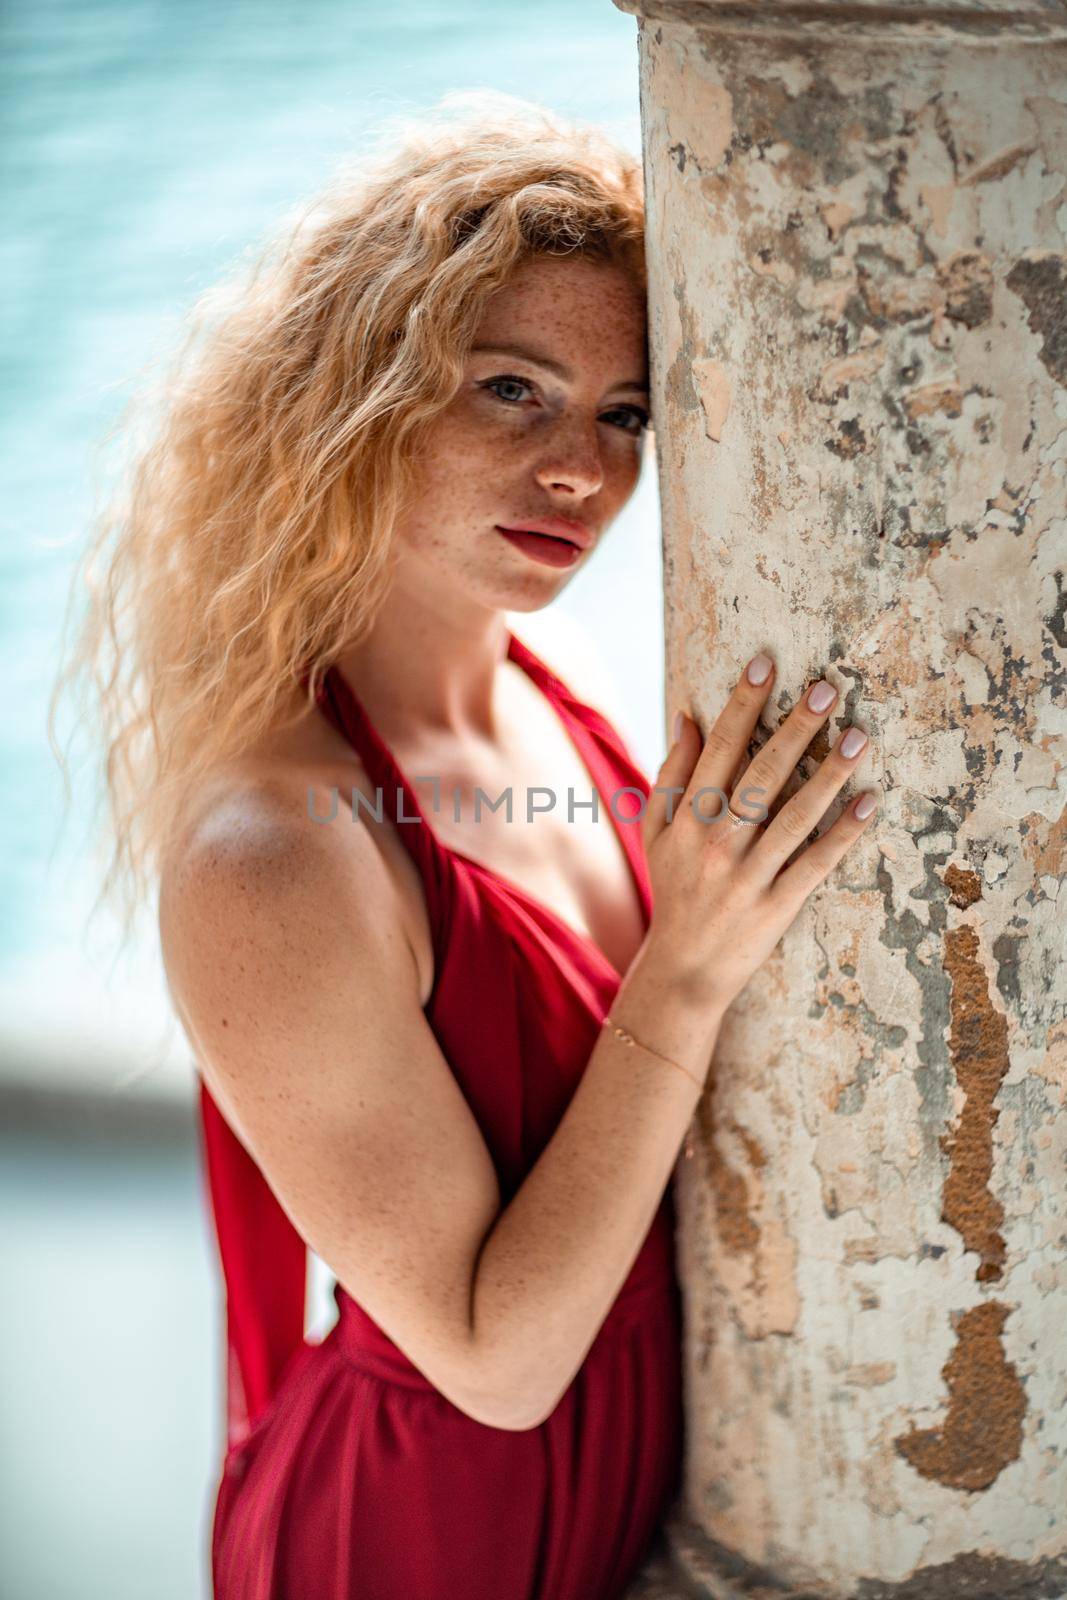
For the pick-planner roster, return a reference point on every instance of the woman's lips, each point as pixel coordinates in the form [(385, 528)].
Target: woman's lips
[(543, 547)]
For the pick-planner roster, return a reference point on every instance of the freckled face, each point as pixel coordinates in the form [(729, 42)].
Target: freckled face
[(548, 422)]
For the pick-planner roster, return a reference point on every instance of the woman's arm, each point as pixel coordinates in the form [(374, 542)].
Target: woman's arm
[(552, 1265), (290, 968)]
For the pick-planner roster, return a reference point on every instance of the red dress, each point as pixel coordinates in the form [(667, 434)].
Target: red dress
[(347, 1475)]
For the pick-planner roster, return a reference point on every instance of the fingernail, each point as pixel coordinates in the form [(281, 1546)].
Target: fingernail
[(864, 806), (677, 726), (822, 695), (853, 742), (759, 667)]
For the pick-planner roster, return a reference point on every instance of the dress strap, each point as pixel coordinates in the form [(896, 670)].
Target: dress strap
[(395, 798), (606, 754), (398, 799)]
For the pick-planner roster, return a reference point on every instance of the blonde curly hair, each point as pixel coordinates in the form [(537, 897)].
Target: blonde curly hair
[(250, 534)]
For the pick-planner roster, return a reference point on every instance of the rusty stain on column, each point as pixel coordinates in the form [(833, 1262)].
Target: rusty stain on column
[(858, 293)]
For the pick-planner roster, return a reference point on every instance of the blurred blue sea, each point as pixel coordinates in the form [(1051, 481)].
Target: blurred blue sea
[(145, 145)]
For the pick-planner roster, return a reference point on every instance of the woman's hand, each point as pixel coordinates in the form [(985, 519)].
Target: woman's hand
[(722, 894)]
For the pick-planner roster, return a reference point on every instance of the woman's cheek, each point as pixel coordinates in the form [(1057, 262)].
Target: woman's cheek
[(479, 424), (624, 457)]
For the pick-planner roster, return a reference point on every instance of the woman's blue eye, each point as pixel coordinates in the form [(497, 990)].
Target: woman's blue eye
[(498, 383), (629, 414), (632, 414)]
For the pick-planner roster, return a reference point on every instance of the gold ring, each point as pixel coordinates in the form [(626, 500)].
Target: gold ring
[(743, 822)]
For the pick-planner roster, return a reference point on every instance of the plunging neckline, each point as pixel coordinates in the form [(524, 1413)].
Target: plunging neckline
[(516, 889), (526, 659)]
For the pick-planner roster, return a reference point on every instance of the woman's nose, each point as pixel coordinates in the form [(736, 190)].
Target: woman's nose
[(572, 461)]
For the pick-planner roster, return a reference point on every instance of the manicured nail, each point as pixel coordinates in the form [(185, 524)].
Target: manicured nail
[(677, 726), (852, 743), (759, 667), (864, 806), (821, 696)]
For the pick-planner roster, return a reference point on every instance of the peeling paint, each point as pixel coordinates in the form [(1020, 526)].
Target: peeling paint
[(966, 277), (982, 1429), (978, 1049), (757, 1258), (964, 886), (713, 389), (836, 376), (1040, 281), (945, 396)]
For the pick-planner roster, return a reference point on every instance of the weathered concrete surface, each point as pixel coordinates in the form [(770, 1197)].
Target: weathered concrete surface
[(858, 259)]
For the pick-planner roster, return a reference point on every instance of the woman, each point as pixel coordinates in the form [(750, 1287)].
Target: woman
[(454, 1053)]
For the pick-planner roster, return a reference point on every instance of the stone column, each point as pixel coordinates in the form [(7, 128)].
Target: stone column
[(858, 259)]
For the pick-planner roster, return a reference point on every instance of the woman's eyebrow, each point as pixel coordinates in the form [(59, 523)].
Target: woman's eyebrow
[(524, 353)]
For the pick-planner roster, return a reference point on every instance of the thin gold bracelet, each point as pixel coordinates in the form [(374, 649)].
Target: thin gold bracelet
[(627, 1038)]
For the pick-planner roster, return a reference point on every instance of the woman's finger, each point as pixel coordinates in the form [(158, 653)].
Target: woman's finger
[(726, 746), (671, 779), (813, 866), (804, 810), (775, 761)]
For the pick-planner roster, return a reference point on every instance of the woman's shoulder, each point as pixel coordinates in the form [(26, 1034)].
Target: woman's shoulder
[(259, 803), (240, 837), (256, 823), (244, 808), (255, 866)]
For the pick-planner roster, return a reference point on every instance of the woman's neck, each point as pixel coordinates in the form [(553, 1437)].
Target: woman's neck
[(428, 669)]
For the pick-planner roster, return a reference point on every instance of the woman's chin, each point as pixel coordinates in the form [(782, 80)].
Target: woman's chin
[(514, 584), (529, 605), (527, 590)]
